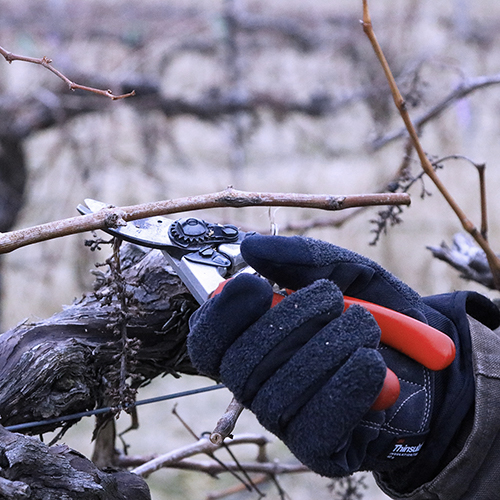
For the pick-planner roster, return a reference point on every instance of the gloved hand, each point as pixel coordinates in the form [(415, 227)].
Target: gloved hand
[(310, 372)]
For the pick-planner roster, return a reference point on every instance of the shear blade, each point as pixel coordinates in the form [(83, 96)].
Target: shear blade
[(150, 232)]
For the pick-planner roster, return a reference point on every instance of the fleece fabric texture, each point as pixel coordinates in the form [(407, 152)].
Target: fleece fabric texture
[(295, 262), (310, 372)]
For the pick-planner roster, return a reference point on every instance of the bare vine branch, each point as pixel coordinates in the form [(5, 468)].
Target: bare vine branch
[(47, 63), (203, 445), (214, 468), (481, 168), (493, 260), (463, 89), (114, 217)]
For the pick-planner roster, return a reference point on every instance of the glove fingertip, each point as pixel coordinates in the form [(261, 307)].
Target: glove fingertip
[(359, 320), (319, 434), (289, 261), (217, 324)]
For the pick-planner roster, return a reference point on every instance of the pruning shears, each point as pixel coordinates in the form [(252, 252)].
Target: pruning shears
[(206, 255)]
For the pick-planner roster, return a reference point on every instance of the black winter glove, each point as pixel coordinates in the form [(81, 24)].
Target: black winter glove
[(310, 372)]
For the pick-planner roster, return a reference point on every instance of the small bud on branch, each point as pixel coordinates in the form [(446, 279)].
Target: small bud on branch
[(47, 63)]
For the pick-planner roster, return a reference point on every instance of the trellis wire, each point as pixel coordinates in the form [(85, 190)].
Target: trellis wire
[(108, 409)]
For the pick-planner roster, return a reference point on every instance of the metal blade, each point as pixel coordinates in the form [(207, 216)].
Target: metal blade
[(199, 272), (150, 232), (201, 280)]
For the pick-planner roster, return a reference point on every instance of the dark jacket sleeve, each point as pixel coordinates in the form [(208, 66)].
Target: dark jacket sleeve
[(473, 473)]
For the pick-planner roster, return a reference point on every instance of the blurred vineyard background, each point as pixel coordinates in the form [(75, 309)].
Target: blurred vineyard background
[(266, 96)]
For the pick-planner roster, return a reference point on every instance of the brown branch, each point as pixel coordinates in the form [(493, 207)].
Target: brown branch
[(493, 260), (47, 63), (203, 445), (213, 468), (114, 217), (462, 90), (481, 169)]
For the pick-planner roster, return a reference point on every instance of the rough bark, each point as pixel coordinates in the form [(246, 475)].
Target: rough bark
[(467, 258), (72, 362), (31, 469)]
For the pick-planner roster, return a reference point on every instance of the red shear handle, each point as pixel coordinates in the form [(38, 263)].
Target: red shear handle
[(417, 340)]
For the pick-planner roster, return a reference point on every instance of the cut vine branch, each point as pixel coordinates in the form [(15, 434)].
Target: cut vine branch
[(226, 423), (493, 260), (47, 63), (115, 217)]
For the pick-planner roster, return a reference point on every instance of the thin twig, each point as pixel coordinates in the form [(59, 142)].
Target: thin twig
[(203, 445), (238, 488), (246, 475), (213, 468), (183, 422), (47, 63), (463, 89), (114, 217), (481, 168), (493, 260), (248, 485), (226, 423)]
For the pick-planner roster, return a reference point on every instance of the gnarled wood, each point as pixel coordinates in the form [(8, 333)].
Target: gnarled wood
[(31, 469), (70, 362), (467, 258)]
